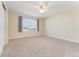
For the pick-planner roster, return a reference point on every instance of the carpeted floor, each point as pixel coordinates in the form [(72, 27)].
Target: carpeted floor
[(41, 46)]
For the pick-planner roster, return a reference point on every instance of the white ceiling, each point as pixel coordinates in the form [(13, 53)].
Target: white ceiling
[(29, 7)]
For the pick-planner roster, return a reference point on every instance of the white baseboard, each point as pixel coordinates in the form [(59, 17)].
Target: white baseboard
[(67, 39), (13, 38)]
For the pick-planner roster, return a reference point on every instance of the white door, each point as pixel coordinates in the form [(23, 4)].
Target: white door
[(2, 27)]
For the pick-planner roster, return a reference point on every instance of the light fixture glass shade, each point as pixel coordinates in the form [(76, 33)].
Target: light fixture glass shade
[(43, 8), (42, 11)]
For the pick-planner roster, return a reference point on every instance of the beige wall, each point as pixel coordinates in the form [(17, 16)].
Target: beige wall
[(64, 25), (13, 27), (76, 27)]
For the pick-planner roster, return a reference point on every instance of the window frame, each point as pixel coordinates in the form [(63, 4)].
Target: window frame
[(20, 25)]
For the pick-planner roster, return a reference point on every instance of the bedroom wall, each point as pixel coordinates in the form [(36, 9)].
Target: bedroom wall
[(64, 25), (76, 27), (13, 27)]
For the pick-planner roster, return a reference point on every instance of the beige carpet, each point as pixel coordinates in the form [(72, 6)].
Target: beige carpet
[(41, 46)]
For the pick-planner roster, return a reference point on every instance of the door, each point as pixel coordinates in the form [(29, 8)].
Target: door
[(2, 27)]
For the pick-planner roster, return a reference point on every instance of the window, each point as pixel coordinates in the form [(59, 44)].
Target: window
[(26, 24)]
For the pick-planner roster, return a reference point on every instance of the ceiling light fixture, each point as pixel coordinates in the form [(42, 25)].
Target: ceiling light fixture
[(43, 8)]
